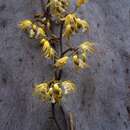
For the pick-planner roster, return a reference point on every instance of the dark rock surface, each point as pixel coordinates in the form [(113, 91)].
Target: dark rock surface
[(102, 100)]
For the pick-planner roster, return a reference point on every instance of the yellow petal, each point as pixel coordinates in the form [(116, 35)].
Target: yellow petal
[(75, 59), (82, 64), (68, 86), (88, 47), (58, 7), (42, 41), (25, 24), (41, 91), (40, 32), (41, 87), (82, 24), (57, 89), (68, 31), (34, 27), (69, 18), (61, 62), (47, 50), (84, 56), (31, 33), (55, 93), (50, 92)]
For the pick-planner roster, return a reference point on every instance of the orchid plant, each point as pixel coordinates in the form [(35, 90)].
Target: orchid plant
[(57, 12)]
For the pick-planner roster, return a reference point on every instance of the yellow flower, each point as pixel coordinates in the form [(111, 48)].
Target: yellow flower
[(84, 56), (68, 86), (70, 25), (56, 88), (31, 33), (55, 92), (80, 2), (40, 33), (33, 30), (58, 7), (36, 32), (41, 87), (80, 59), (41, 90), (42, 21), (73, 24), (50, 91), (80, 63), (61, 62), (75, 59), (47, 50), (70, 18), (34, 26), (25, 24), (87, 47), (82, 24), (68, 31)]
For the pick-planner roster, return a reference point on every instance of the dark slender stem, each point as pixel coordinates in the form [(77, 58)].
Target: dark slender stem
[(61, 48), (69, 49), (60, 71), (61, 33), (60, 74), (54, 117), (47, 15), (53, 109), (56, 74), (66, 51), (55, 71), (75, 52), (62, 110)]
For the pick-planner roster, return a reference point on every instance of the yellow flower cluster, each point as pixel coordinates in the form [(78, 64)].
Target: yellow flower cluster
[(73, 24), (53, 91), (32, 29), (47, 50), (37, 32), (40, 28), (79, 60), (58, 7)]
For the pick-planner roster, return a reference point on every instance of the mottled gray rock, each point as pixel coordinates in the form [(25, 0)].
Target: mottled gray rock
[(102, 100)]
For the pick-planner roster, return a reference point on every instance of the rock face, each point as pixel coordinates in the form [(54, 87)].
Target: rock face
[(102, 100)]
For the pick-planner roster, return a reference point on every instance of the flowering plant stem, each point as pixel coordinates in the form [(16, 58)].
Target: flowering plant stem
[(56, 14), (61, 48), (57, 75), (58, 78)]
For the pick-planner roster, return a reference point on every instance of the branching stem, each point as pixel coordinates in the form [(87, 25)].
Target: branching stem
[(61, 33), (57, 73), (69, 49), (61, 47)]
